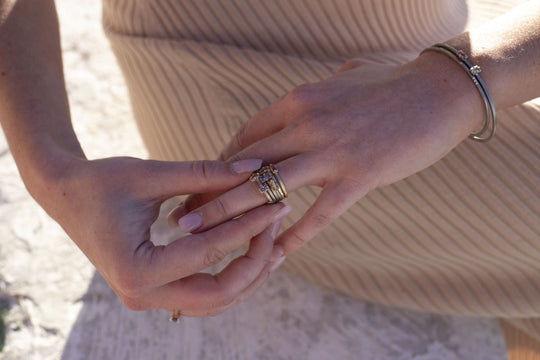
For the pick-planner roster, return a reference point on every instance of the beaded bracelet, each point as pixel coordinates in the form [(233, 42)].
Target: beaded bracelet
[(472, 70)]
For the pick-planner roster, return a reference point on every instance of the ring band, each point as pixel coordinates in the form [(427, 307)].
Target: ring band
[(270, 183), (176, 315)]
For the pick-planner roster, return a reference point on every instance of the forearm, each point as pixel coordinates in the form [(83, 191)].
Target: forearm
[(34, 109), (508, 51)]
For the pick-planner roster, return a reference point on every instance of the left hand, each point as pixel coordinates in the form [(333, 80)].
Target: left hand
[(367, 126)]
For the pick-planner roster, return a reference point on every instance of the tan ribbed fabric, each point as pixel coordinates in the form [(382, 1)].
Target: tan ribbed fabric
[(462, 237), (520, 345)]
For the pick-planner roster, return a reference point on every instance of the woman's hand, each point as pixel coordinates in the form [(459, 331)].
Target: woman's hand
[(107, 207), (367, 126)]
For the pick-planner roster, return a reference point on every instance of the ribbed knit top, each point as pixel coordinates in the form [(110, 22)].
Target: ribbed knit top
[(304, 28), (462, 236)]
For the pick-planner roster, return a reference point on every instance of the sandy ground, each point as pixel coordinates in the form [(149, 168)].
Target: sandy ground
[(59, 307)]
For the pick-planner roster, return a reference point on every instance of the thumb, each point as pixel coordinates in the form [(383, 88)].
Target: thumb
[(165, 179)]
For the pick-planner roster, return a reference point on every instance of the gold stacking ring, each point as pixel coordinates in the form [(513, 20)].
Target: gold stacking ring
[(269, 182)]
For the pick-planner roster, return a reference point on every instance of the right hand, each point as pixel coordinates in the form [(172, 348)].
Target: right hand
[(107, 207)]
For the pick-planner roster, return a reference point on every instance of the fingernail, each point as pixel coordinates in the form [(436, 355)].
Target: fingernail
[(275, 229), (174, 213), (277, 252), (281, 213), (190, 222), (249, 165), (277, 263)]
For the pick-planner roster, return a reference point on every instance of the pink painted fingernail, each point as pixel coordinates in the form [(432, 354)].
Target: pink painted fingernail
[(281, 213), (277, 252), (277, 263), (248, 165), (275, 229), (190, 222)]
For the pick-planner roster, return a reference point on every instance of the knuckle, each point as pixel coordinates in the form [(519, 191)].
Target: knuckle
[(355, 186), (130, 284), (214, 256), (321, 220), (316, 125), (296, 240), (202, 169), (240, 137), (365, 178), (221, 207), (302, 96)]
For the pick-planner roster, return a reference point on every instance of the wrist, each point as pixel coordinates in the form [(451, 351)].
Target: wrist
[(454, 90), (46, 173)]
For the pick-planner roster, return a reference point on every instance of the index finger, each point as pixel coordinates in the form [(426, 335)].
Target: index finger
[(165, 179)]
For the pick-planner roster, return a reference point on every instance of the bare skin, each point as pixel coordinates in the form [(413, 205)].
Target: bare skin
[(371, 125), (107, 206)]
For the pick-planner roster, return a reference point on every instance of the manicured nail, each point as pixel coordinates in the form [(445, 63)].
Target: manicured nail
[(277, 263), (281, 213), (190, 222), (249, 165), (174, 213), (275, 229), (277, 252)]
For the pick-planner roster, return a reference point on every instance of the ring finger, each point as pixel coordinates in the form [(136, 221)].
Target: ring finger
[(295, 172)]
